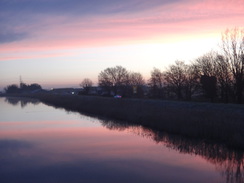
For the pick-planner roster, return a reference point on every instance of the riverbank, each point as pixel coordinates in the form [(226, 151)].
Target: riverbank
[(223, 123)]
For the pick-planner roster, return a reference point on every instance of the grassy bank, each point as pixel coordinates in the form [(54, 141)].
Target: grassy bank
[(223, 123)]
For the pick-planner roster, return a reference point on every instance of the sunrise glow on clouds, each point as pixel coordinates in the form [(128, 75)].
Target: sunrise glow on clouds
[(60, 42)]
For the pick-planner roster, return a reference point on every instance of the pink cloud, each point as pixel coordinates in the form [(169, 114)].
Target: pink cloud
[(168, 22), (39, 56)]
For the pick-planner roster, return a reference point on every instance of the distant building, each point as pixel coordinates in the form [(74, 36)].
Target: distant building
[(94, 90), (65, 91)]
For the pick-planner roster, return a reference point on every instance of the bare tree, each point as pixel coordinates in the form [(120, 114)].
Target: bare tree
[(175, 77), (223, 74), (86, 84), (136, 79), (233, 48), (215, 65), (192, 83), (206, 64), (156, 83), (113, 79), (207, 67), (135, 84)]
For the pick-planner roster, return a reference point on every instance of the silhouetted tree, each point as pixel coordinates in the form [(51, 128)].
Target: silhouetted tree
[(207, 67), (156, 83), (223, 74), (29, 88), (209, 86), (34, 86), (12, 89), (192, 83), (113, 79), (214, 64), (24, 88), (176, 78), (233, 48), (135, 84), (86, 84), (135, 78), (207, 64)]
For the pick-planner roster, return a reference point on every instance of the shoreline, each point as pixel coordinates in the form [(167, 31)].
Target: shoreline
[(211, 122)]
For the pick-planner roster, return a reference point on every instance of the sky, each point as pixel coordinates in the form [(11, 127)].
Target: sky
[(58, 43)]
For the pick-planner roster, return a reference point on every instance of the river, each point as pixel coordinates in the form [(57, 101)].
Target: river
[(39, 143)]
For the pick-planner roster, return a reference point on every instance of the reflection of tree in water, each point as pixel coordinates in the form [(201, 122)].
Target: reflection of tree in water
[(228, 161), (22, 101), (12, 101)]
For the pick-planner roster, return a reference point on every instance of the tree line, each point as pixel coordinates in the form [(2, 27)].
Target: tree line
[(214, 76), (22, 88)]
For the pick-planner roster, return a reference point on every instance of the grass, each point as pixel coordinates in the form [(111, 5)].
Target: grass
[(218, 122)]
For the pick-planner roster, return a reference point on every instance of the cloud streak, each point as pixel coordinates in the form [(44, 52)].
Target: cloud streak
[(87, 20), (81, 7), (6, 37), (63, 24)]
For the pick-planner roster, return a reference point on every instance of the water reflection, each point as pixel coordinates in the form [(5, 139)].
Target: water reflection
[(63, 149), (22, 101), (227, 161), (9, 148)]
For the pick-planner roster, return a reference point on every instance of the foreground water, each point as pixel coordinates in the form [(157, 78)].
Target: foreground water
[(39, 143)]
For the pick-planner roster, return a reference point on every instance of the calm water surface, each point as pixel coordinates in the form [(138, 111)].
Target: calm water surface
[(39, 143)]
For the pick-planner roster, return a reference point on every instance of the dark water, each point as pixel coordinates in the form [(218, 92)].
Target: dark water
[(39, 143)]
